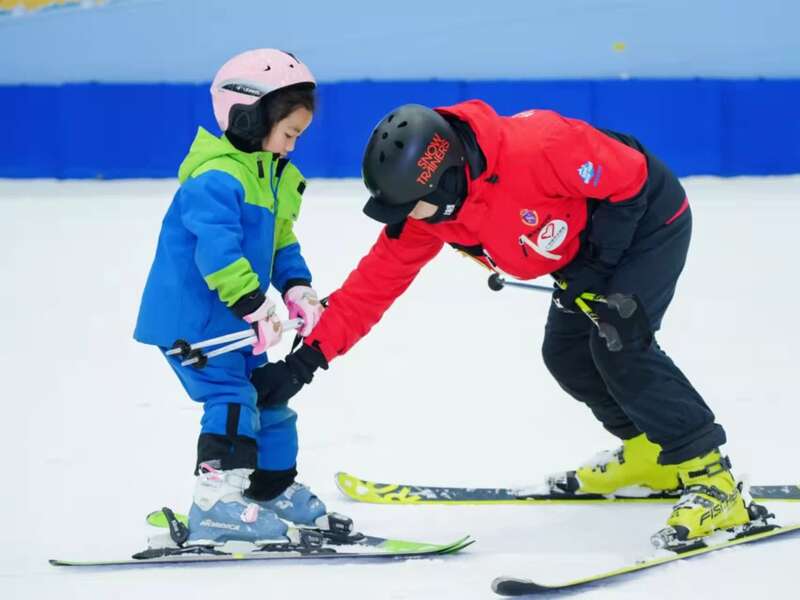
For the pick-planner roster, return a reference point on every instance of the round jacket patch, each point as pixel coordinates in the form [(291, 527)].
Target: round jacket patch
[(552, 234)]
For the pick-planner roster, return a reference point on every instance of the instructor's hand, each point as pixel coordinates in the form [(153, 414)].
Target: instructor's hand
[(276, 383), (581, 275)]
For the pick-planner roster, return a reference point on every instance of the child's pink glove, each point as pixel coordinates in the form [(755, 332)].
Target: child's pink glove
[(302, 301), (267, 326)]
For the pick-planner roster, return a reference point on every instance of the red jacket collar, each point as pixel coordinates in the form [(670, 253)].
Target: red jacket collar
[(485, 124)]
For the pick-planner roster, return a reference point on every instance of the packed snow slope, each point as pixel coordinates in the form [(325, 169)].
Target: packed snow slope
[(449, 388)]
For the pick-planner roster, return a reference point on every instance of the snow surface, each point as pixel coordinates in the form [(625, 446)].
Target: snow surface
[(448, 389)]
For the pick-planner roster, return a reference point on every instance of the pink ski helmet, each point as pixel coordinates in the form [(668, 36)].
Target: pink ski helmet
[(247, 78)]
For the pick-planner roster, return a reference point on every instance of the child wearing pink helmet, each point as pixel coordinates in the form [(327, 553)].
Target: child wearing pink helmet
[(227, 235)]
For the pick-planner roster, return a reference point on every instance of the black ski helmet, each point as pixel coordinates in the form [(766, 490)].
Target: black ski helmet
[(406, 155)]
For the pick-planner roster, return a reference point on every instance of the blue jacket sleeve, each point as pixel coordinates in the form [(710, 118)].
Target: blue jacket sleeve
[(289, 268), (210, 207)]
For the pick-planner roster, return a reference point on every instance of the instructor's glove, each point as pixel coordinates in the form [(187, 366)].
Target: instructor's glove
[(258, 310), (302, 301), (276, 383), (582, 275)]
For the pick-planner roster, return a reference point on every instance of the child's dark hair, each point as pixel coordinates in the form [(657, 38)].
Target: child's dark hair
[(247, 133), (280, 104)]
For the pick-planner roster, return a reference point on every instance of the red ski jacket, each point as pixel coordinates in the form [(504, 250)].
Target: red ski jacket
[(525, 211)]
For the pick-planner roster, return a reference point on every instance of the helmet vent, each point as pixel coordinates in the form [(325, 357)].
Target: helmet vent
[(291, 66), (268, 68), (382, 157), (384, 136), (399, 144), (389, 120), (403, 124)]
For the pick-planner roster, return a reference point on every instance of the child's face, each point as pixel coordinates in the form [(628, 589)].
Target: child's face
[(284, 134)]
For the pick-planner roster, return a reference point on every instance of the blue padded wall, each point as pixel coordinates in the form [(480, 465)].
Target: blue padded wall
[(699, 126)]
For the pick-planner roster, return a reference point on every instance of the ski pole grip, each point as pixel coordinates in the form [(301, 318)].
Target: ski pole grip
[(625, 305), (610, 334), (605, 330)]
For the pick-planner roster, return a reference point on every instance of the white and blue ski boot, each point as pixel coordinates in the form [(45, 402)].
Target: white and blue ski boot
[(220, 513), (299, 505), (278, 492)]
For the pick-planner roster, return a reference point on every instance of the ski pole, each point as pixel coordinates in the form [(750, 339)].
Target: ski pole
[(624, 304), (193, 355), (181, 346), (605, 330), (497, 282)]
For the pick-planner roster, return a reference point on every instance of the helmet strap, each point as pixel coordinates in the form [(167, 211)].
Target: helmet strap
[(449, 196), (447, 211)]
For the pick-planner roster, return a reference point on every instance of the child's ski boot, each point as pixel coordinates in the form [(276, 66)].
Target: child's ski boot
[(220, 513), (300, 506)]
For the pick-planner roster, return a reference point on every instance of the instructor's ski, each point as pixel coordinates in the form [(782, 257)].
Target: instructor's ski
[(363, 490), (513, 586)]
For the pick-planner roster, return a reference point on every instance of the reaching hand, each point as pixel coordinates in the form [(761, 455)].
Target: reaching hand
[(276, 383), (580, 276)]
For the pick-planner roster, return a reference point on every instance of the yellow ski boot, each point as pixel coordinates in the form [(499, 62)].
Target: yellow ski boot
[(630, 471), (712, 500)]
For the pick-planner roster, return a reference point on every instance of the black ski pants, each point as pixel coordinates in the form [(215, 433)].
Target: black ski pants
[(637, 389)]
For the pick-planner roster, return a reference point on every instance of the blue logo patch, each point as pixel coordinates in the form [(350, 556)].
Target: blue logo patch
[(529, 217), (588, 173)]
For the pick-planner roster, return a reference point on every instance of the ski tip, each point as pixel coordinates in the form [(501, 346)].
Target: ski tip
[(346, 483), (341, 476), (363, 490), (456, 546), (354, 487), (505, 586), (465, 543)]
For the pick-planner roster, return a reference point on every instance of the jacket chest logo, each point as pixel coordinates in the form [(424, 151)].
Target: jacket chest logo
[(551, 236)]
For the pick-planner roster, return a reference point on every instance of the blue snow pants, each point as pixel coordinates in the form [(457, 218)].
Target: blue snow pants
[(233, 429)]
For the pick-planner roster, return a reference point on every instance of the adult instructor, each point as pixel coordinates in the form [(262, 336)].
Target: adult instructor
[(530, 195)]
